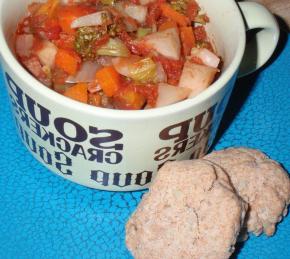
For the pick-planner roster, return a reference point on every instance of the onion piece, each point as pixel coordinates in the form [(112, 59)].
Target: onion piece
[(196, 77), (24, 44), (47, 54), (114, 48), (124, 65), (169, 94), (137, 12), (93, 19), (142, 70), (166, 42), (86, 73), (161, 76), (207, 57)]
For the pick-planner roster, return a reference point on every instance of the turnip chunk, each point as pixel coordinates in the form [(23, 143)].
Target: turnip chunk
[(196, 77), (93, 19), (207, 57), (86, 73), (47, 54), (137, 12), (24, 44), (166, 42), (169, 94)]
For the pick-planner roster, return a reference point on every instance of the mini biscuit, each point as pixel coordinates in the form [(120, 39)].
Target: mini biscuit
[(260, 181), (191, 211)]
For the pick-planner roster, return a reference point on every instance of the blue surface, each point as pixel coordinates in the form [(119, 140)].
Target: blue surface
[(44, 216)]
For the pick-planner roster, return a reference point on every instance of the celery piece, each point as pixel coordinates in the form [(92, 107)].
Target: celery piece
[(142, 32), (107, 2), (143, 71)]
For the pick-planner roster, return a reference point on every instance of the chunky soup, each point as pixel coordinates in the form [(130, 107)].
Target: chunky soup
[(136, 54)]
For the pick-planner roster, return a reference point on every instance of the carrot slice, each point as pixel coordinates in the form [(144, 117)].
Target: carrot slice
[(67, 60), (192, 10), (170, 13), (167, 25), (78, 92), (187, 39), (128, 99), (109, 80)]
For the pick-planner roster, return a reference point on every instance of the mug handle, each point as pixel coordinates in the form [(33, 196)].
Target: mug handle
[(260, 48)]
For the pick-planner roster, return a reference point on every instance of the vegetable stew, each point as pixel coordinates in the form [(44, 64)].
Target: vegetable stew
[(135, 54)]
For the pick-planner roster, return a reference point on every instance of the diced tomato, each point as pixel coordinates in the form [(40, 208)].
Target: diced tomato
[(101, 41), (196, 60), (136, 47), (154, 13), (40, 25), (200, 33), (22, 25), (32, 24), (172, 68), (150, 92), (52, 29), (65, 41), (68, 13)]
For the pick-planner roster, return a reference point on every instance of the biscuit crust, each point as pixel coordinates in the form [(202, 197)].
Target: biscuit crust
[(190, 211), (260, 181)]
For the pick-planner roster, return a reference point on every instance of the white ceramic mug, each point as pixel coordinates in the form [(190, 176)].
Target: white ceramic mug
[(121, 150)]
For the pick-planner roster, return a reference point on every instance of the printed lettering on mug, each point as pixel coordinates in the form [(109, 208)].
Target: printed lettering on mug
[(98, 145)]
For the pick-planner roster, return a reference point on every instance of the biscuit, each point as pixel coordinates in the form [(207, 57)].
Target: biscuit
[(191, 211), (260, 181)]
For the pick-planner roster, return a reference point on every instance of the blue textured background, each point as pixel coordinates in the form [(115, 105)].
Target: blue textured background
[(44, 216)]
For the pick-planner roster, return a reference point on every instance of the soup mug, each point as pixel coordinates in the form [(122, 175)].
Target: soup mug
[(120, 150)]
